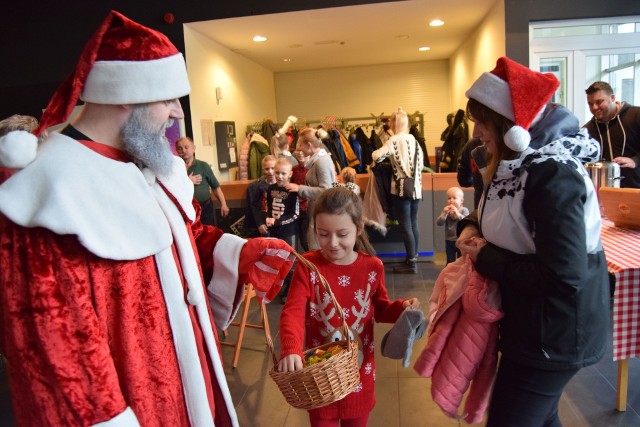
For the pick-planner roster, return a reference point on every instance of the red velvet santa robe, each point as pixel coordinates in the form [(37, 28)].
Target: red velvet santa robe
[(104, 312)]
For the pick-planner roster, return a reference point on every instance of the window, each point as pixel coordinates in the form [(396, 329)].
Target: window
[(580, 52)]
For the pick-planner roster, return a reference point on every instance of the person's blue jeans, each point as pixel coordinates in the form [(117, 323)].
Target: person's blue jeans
[(452, 252), (406, 212)]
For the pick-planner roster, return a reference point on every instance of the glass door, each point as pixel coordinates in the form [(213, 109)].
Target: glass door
[(620, 70), (580, 52), (559, 64)]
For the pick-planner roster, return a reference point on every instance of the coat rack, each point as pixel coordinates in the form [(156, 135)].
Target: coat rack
[(330, 122)]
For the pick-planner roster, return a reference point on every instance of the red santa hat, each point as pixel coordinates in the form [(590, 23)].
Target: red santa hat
[(123, 63), (517, 93)]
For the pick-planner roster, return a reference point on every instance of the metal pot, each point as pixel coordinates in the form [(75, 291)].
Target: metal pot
[(604, 174)]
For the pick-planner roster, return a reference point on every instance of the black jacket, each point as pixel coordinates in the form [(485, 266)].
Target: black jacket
[(553, 279)]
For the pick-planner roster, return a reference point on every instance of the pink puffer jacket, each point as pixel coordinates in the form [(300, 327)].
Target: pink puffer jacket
[(462, 346)]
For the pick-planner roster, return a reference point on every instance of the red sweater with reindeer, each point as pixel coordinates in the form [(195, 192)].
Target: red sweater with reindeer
[(309, 319)]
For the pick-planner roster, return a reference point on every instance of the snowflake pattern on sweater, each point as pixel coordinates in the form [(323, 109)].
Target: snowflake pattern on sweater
[(309, 319)]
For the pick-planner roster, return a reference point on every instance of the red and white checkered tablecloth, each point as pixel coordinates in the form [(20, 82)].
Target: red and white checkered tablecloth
[(622, 250)]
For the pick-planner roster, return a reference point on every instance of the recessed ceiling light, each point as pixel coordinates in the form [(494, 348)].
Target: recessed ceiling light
[(436, 23), (259, 39), (424, 48), (287, 59)]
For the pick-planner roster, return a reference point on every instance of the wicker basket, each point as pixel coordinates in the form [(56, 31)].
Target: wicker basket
[(325, 382)]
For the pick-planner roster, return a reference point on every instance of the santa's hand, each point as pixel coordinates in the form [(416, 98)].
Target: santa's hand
[(265, 262)]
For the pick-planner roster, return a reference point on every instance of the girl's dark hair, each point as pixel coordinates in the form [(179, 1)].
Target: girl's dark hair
[(339, 200), (480, 113)]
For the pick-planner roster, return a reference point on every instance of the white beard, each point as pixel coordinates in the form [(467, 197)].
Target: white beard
[(149, 147)]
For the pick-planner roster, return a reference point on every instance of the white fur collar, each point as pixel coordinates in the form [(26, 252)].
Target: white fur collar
[(70, 189)]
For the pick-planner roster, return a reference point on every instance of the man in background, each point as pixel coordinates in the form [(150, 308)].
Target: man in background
[(617, 126), (205, 183)]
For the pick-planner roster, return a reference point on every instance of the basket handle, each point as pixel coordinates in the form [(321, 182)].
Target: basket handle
[(325, 283)]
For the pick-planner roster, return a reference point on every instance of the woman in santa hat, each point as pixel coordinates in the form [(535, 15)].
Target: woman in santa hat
[(537, 233)]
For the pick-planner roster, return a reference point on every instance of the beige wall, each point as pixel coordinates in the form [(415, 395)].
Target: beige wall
[(361, 91), (248, 92), (477, 54), (252, 93)]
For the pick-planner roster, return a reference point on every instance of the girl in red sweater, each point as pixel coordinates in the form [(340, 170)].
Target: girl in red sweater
[(347, 260)]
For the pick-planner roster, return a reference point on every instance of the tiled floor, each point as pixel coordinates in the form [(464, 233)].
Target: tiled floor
[(403, 397)]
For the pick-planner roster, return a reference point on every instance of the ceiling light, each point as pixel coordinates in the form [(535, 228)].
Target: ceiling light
[(424, 48), (436, 23), (287, 59), (259, 39)]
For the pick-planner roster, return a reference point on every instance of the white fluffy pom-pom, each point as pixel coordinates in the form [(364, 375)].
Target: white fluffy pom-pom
[(322, 134), (18, 149), (517, 138), (195, 296), (291, 120)]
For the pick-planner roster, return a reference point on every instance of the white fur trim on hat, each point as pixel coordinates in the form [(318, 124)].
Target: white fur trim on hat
[(493, 92), (18, 149), (136, 82), (517, 138), (291, 120)]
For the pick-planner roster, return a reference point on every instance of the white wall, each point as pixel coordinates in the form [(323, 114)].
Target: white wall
[(477, 54), (251, 93), (248, 92), (365, 90)]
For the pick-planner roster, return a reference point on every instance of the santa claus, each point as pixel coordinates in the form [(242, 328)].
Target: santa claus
[(109, 284)]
